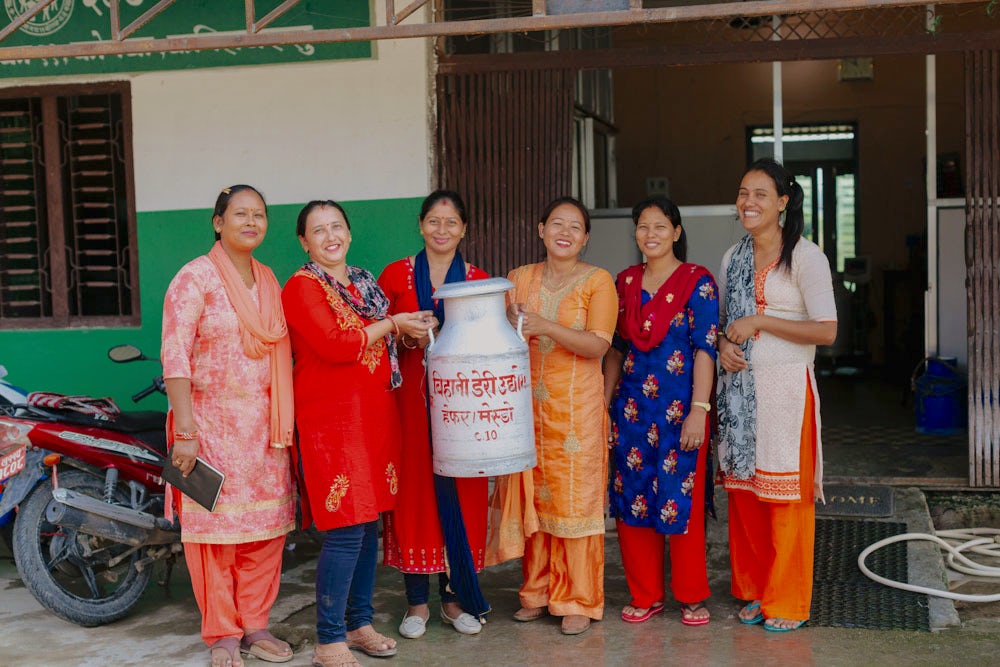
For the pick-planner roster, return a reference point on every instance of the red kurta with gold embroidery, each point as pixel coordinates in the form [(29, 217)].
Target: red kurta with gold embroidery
[(345, 411), (414, 542)]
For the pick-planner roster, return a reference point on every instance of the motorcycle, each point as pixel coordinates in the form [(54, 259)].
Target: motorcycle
[(86, 481)]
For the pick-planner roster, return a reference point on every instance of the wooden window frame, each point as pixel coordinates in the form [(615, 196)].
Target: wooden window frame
[(54, 208)]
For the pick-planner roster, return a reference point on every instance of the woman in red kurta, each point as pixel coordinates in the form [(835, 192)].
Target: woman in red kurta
[(343, 343), (415, 543)]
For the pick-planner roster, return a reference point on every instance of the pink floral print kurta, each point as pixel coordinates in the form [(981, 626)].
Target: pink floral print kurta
[(230, 395)]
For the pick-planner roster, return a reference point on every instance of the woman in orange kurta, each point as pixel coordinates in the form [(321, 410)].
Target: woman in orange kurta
[(344, 343), (777, 305), (227, 366), (568, 310), (415, 542)]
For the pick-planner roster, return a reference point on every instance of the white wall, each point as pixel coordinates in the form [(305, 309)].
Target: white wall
[(346, 129), (710, 230)]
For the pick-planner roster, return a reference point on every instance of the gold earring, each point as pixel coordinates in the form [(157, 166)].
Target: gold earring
[(463, 235)]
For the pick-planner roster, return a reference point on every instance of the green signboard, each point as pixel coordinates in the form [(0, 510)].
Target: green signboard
[(69, 21)]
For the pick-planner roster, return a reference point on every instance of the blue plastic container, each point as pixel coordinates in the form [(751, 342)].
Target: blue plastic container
[(939, 392)]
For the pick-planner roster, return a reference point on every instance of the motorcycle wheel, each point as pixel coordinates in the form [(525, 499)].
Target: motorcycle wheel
[(55, 566)]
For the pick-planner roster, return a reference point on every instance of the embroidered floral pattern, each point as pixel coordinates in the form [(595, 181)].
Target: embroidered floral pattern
[(337, 492), (668, 513), (618, 482), (653, 435), (634, 459), (707, 291), (614, 434), (631, 411), (392, 478), (640, 508), (688, 484), (678, 319), (670, 297), (648, 324), (670, 462), (628, 366), (675, 413), (712, 337), (675, 364), (651, 387)]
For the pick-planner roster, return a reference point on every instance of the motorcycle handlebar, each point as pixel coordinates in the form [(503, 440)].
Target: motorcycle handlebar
[(157, 385)]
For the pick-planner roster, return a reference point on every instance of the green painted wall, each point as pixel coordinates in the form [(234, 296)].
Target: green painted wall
[(74, 361)]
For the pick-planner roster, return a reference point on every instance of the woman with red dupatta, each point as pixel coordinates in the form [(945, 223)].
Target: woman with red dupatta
[(228, 369), (439, 524), (662, 366)]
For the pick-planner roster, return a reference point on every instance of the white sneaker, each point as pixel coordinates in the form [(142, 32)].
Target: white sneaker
[(465, 623), (413, 627)]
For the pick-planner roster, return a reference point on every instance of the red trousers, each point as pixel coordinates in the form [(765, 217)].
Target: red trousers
[(235, 585), (771, 544), (643, 554)]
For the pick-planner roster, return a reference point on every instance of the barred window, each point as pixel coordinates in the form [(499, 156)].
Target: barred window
[(67, 207)]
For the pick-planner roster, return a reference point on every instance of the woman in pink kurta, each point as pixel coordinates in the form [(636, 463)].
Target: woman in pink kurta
[(222, 411)]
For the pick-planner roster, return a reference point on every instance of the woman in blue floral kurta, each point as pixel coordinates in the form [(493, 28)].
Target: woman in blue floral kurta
[(658, 380)]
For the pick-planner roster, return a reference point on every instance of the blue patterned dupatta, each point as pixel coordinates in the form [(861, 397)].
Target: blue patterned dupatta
[(737, 399), (462, 580)]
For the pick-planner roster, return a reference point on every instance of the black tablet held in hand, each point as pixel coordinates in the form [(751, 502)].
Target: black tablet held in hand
[(203, 485)]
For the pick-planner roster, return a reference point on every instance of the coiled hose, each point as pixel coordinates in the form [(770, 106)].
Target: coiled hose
[(970, 540)]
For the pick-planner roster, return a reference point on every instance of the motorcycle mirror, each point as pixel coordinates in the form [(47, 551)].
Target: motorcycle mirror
[(122, 353)]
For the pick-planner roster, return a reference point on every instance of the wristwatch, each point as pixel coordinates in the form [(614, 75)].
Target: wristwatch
[(707, 407)]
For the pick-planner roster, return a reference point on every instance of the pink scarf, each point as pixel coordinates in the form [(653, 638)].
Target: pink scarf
[(264, 332)]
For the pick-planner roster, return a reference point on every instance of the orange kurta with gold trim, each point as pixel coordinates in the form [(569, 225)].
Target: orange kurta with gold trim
[(345, 411), (571, 422)]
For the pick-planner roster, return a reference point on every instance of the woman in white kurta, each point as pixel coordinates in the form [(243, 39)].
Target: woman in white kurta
[(776, 306)]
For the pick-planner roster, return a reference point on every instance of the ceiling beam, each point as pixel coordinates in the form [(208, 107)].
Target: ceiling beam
[(444, 28)]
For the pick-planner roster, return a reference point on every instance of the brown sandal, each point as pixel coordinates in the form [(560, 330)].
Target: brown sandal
[(528, 614), (369, 643), (342, 658), (231, 645)]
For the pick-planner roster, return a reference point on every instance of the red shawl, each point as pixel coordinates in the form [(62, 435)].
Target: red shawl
[(647, 326)]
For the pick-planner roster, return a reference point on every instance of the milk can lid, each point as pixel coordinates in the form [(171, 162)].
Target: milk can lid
[(473, 288)]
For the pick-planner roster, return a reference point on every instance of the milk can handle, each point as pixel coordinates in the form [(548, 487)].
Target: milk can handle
[(430, 332), (520, 326)]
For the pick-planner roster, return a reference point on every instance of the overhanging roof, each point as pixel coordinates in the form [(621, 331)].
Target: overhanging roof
[(545, 15)]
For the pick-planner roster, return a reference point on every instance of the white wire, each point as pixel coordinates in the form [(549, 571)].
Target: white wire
[(974, 543)]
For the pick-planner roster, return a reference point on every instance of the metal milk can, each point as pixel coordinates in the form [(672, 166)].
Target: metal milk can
[(479, 385)]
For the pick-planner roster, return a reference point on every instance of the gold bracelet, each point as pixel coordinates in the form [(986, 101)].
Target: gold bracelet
[(185, 435), (707, 407), (404, 339)]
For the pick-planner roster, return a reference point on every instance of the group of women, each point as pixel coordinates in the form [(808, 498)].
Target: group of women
[(347, 424)]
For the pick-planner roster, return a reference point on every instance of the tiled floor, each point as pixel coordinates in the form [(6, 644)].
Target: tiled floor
[(869, 431)]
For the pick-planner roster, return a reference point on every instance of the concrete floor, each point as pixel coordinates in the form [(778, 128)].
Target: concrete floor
[(164, 630)]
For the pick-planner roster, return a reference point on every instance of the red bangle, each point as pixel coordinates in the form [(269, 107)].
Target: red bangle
[(395, 327), (185, 435)]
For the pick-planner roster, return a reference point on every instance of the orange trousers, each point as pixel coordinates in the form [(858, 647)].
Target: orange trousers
[(643, 551), (771, 544), (235, 585), (564, 574)]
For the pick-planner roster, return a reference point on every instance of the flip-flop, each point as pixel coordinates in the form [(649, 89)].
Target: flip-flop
[(642, 618), (232, 646), (759, 618), (249, 646), (774, 628), (691, 608)]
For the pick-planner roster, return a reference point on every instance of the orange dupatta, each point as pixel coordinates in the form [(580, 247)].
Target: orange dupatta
[(264, 332)]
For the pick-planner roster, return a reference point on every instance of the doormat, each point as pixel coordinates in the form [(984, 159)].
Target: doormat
[(843, 597), (856, 500)]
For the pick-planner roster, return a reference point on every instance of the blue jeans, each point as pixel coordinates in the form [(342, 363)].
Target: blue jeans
[(345, 580), (418, 588)]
